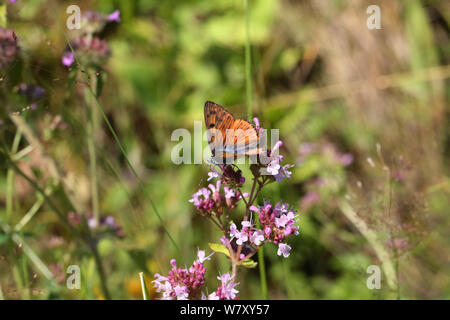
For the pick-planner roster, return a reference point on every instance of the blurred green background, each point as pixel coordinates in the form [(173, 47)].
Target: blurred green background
[(364, 115)]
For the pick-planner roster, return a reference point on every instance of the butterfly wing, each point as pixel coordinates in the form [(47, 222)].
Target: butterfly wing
[(229, 138), (217, 120)]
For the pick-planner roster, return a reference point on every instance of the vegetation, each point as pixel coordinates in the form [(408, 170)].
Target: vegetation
[(87, 115)]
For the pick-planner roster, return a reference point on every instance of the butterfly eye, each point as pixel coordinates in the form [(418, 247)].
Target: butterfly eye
[(211, 125)]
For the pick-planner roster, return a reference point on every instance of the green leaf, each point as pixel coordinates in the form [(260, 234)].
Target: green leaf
[(100, 82), (219, 248), (249, 263), (3, 15), (3, 238)]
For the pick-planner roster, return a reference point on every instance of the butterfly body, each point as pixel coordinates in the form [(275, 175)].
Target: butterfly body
[(229, 138)]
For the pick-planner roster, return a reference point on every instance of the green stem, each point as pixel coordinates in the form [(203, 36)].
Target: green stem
[(145, 294), (100, 269), (248, 61), (10, 177), (92, 129), (122, 150), (90, 242), (9, 194), (262, 273)]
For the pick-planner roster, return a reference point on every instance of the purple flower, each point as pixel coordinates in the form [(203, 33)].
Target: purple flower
[(8, 47), (309, 199), (182, 283), (229, 193), (306, 148), (105, 224), (181, 292), (208, 202), (68, 58), (257, 237), (202, 201), (115, 16), (227, 291), (277, 221), (213, 174), (31, 92), (285, 219), (201, 256), (240, 236), (346, 159), (283, 249), (274, 167), (93, 22), (256, 121), (398, 243), (90, 51), (92, 223), (213, 296), (283, 172)]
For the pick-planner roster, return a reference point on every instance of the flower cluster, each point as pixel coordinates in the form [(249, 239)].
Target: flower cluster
[(106, 224), (184, 283), (213, 200), (90, 51), (103, 225), (94, 21), (274, 168), (89, 48), (247, 233), (227, 175), (216, 202), (328, 150), (225, 291), (8, 47), (31, 92), (277, 222)]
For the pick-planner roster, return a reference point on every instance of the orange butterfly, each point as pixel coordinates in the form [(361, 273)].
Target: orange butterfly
[(229, 138)]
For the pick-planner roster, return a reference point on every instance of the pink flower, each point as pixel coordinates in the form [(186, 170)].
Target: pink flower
[(285, 219), (240, 236), (346, 159), (283, 172), (212, 175), (256, 121), (229, 193), (274, 166), (115, 16), (182, 283), (257, 237), (309, 199), (213, 296), (181, 292), (283, 249), (277, 221), (68, 58), (226, 291), (201, 256)]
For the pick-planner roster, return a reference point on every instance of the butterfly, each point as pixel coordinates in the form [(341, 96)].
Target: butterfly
[(229, 138)]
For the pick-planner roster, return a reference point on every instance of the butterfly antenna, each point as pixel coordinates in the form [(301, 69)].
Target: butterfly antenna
[(235, 166)]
